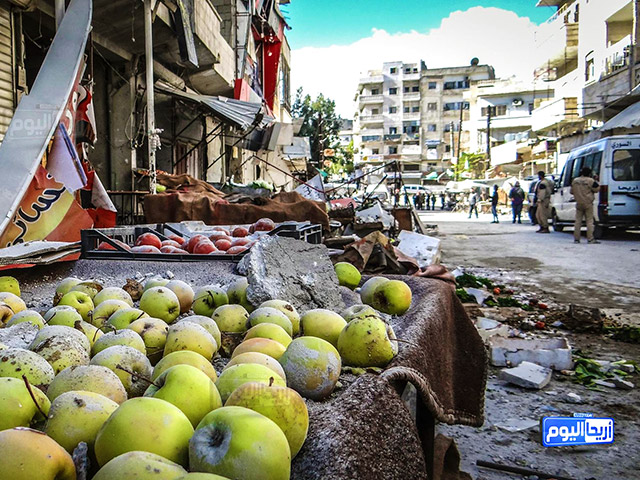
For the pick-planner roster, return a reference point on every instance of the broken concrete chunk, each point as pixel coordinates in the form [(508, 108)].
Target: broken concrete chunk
[(527, 375), (572, 398), (513, 425), (622, 383), (285, 268), (549, 352), (479, 294)]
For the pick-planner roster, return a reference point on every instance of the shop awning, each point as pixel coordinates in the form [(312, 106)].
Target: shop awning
[(235, 112), (628, 118)]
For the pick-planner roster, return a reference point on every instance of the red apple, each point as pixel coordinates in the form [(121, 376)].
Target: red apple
[(149, 239), (176, 238), (240, 232), (221, 229), (241, 242), (236, 250), (223, 244), (145, 249), (108, 246), (264, 225), (193, 241), (205, 247), (171, 243), (172, 249)]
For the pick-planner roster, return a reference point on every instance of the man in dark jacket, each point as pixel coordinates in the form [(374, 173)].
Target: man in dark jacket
[(516, 194), (494, 204)]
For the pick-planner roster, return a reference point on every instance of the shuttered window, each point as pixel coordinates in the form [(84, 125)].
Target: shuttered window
[(6, 71)]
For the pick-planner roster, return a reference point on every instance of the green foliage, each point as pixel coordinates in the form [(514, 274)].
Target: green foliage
[(464, 296), (624, 333), (472, 281), (472, 163)]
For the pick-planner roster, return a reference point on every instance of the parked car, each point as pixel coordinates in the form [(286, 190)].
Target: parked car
[(615, 162)]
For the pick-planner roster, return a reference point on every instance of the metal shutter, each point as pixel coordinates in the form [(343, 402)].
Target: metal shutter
[(6, 71)]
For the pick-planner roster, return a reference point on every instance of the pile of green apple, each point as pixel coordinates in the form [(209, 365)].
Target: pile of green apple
[(136, 382)]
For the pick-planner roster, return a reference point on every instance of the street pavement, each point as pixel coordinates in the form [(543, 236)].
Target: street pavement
[(600, 275)]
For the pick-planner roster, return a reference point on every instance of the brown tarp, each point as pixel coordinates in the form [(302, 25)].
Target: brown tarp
[(201, 204)]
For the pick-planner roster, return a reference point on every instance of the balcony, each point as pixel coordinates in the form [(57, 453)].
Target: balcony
[(373, 158), (411, 116), (372, 79), (409, 96), (371, 119), (371, 138), (553, 113), (370, 99), (617, 56), (408, 77), (559, 36), (392, 137)]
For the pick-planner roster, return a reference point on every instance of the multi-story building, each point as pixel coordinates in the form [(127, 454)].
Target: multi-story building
[(443, 108), (388, 120)]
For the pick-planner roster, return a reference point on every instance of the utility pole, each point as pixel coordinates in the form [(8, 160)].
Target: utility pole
[(489, 113), (451, 140), (635, 34), (151, 119), (460, 131)]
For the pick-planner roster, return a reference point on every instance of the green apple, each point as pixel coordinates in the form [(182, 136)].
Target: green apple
[(288, 309), (392, 297), (62, 315), (184, 292), (201, 476), (348, 275), (263, 345), (271, 331), (257, 357), (312, 367), (112, 293), (236, 375), (30, 316), (90, 378), (367, 342), (10, 284), (190, 336), (80, 301), (185, 357), (139, 466), (283, 405), (124, 318), (92, 332), (100, 315), (366, 292), (207, 299), (231, 318), (64, 287), (134, 289), (30, 455), (271, 315), (155, 282), (153, 332), (17, 408), (323, 324), (63, 332), (120, 337), (189, 389), (62, 352), (160, 302), (76, 417), (208, 324), (238, 443), (14, 301), (237, 293), (359, 311), (131, 366), (90, 287), (6, 313), (16, 362), (145, 424)]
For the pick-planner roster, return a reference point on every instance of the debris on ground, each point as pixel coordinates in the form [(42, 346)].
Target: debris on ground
[(527, 375), (552, 353)]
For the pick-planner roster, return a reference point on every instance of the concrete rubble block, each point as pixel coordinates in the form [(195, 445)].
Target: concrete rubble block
[(549, 352), (425, 249), (527, 375), (292, 270), (18, 336), (488, 328)]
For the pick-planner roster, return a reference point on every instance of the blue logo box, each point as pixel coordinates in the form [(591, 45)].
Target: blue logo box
[(578, 430)]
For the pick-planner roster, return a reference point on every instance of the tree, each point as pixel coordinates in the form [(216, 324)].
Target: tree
[(319, 122), (470, 163)]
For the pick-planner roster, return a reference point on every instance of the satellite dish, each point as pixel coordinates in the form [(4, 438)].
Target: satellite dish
[(475, 62), (517, 102)]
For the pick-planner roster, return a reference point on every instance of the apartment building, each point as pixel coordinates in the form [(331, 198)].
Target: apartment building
[(443, 109), (387, 121)]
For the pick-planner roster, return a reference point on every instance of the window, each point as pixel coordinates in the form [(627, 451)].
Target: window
[(375, 91), (415, 88), (432, 106), (375, 151), (501, 110), (566, 176), (375, 111), (456, 84), (411, 167), (589, 67), (415, 109), (593, 162), (626, 165), (393, 150), (407, 70), (393, 70), (393, 109), (433, 85), (410, 129), (285, 85), (393, 130), (432, 127), (407, 109), (405, 89), (456, 106), (447, 148), (447, 127), (393, 91)]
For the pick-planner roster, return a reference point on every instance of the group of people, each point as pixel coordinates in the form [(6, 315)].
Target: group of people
[(427, 201), (583, 189)]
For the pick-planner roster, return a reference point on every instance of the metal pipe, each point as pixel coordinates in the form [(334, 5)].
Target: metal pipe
[(59, 11), (151, 120)]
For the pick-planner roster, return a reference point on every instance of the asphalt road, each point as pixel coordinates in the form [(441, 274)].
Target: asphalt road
[(606, 275)]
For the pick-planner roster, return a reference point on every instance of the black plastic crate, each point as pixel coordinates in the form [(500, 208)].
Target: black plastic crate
[(91, 238)]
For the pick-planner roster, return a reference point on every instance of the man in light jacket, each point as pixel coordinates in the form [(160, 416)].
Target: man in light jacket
[(583, 189), (544, 190)]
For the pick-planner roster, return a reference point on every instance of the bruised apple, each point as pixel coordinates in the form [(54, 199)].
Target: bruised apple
[(149, 239)]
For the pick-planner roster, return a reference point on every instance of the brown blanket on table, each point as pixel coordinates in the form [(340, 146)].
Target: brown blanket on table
[(365, 431)]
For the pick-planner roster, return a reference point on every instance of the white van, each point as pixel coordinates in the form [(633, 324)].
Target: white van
[(615, 161)]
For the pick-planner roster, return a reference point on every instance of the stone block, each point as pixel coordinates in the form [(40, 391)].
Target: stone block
[(549, 352), (527, 375)]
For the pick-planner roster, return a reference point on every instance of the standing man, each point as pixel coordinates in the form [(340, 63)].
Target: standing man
[(442, 200), (433, 201), (427, 201), (473, 203), (583, 189), (516, 194), (494, 204), (543, 202)]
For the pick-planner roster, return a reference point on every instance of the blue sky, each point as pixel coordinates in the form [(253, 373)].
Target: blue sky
[(320, 23)]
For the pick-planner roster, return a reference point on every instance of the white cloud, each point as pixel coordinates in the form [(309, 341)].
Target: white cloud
[(497, 37)]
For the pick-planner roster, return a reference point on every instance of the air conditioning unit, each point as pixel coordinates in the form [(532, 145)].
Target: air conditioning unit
[(518, 102)]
